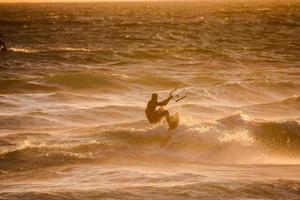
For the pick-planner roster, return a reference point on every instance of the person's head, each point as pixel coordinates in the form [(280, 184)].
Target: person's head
[(154, 97)]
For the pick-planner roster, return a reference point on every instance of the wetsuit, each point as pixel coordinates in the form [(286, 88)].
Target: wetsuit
[(153, 115)]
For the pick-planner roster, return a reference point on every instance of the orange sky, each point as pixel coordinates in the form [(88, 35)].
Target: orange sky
[(40, 0), (11, 1), (74, 0)]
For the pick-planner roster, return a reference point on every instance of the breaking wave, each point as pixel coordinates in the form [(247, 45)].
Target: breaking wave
[(231, 140), (50, 50)]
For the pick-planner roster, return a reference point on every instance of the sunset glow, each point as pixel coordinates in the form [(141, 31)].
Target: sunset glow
[(149, 100)]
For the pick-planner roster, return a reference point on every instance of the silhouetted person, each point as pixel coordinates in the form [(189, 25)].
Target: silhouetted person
[(155, 115), (2, 44)]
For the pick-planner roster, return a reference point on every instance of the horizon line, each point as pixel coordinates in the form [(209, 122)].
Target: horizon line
[(116, 1)]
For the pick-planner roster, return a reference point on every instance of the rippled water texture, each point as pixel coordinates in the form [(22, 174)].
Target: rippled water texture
[(77, 77)]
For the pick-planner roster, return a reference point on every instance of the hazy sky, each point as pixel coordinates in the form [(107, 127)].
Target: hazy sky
[(39, 0), (11, 1)]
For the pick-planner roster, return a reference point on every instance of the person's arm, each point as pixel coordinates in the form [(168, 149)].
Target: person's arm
[(164, 102)]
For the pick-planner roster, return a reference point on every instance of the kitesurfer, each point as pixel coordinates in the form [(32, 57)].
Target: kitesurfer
[(155, 115)]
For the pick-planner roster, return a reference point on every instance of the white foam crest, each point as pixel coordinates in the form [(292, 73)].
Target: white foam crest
[(72, 49), (29, 50), (24, 50), (29, 143)]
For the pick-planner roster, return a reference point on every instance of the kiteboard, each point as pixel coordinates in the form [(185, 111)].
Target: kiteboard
[(174, 121)]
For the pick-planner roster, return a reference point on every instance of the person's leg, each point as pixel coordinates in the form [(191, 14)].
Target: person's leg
[(156, 116), (167, 116)]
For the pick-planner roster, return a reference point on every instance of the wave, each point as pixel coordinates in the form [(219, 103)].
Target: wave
[(7, 105), (231, 140), (4, 142), (251, 92), (109, 82), (207, 81), (74, 115), (155, 81), (86, 81), (278, 137), (216, 189), (24, 50), (260, 87), (293, 101), (70, 97), (277, 85), (28, 121), (37, 157), (23, 86), (59, 49), (73, 49), (287, 108)]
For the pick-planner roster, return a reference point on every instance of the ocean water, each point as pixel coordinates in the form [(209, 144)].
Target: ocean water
[(77, 77)]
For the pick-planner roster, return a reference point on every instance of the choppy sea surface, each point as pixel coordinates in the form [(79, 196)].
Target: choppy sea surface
[(77, 77)]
